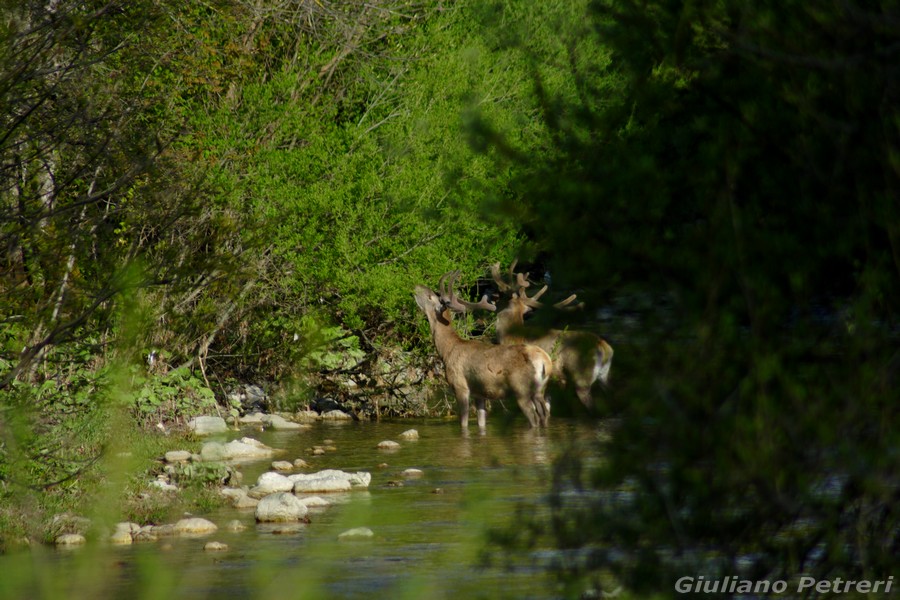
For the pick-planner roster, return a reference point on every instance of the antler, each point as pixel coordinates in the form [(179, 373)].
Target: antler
[(531, 302), (565, 303), (449, 299), (517, 281)]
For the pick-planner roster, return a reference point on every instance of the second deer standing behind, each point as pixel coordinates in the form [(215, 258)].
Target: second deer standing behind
[(579, 357)]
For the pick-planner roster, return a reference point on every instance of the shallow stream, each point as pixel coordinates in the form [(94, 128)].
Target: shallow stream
[(429, 532)]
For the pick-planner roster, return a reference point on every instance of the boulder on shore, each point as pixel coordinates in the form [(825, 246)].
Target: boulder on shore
[(70, 539), (279, 423), (176, 456), (242, 449), (207, 425)]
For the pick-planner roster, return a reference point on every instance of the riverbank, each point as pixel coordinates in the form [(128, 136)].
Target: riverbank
[(130, 467)]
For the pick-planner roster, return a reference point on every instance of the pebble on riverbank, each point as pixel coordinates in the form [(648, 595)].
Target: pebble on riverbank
[(336, 415), (215, 547), (243, 449), (279, 423), (240, 497), (207, 425), (176, 456), (70, 539), (124, 534)]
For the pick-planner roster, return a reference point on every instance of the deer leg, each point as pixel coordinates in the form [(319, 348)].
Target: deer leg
[(481, 412), (528, 407), (545, 403), (541, 409), (584, 394), (462, 403)]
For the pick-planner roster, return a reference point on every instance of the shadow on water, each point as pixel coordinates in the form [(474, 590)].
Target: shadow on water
[(428, 530)]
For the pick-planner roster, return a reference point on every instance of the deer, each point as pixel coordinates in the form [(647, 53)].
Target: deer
[(483, 370), (580, 358)]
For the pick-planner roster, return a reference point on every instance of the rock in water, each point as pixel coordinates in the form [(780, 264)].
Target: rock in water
[(279, 508)]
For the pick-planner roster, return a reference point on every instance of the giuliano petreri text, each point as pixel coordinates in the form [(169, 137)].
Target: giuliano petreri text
[(737, 585)]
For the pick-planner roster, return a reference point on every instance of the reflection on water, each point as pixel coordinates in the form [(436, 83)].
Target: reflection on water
[(428, 530)]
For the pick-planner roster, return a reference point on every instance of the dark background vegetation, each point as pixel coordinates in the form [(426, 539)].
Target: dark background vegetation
[(252, 190)]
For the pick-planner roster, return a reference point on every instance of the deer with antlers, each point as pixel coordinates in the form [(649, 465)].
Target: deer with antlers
[(579, 358), (481, 370)]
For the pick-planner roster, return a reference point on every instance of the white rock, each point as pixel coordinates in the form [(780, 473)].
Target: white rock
[(174, 456), (315, 502), (280, 507), (163, 485), (194, 525), (306, 415), (165, 530), (256, 417), (207, 425), (279, 423), (283, 465), (239, 497), (321, 486), (121, 538), (215, 547), (243, 449), (124, 533), (358, 479), (269, 483), (336, 415), (235, 525), (70, 539), (145, 534), (232, 493), (412, 473), (245, 501), (409, 434), (357, 533), (388, 445)]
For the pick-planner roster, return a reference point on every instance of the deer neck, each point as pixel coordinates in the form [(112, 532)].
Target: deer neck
[(445, 336), (508, 320)]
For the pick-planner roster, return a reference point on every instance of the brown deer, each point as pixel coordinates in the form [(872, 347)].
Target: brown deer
[(579, 358), (482, 370)]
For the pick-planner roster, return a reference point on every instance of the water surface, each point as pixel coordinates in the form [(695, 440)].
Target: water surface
[(429, 531)]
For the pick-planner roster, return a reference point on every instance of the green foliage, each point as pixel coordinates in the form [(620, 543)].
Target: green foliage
[(731, 167), (173, 397), (331, 348)]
